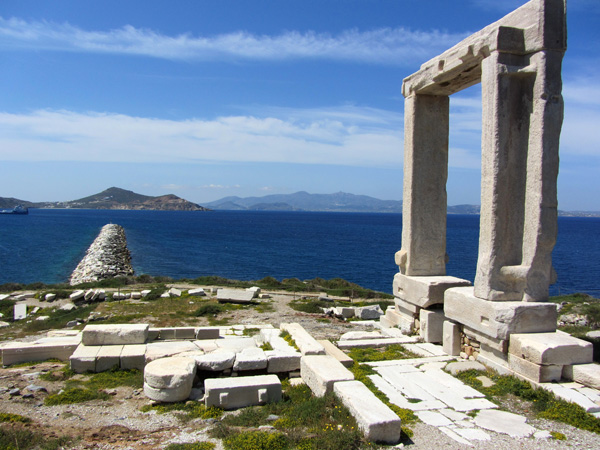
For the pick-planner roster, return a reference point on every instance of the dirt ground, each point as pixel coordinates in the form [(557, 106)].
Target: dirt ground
[(118, 423)]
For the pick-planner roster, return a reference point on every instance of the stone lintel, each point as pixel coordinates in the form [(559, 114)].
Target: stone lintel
[(498, 320), (538, 25), (424, 291)]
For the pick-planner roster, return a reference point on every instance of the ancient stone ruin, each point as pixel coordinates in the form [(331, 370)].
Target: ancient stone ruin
[(517, 60)]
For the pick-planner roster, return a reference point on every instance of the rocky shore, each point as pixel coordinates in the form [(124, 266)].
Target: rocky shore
[(107, 257)]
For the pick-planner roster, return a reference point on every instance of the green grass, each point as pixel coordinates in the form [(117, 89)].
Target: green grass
[(256, 440), (287, 337), (544, 403), (115, 378), (191, 446), (305, 422), (92, 388), (58, 318), (17, 437), (189, 410), (395, 351), (75, 395), (58, 375), (8, 417)]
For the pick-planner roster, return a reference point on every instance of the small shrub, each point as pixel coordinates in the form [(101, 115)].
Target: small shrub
[(256, 440), (192, 446), (8, 417), (209, 309), (17, 437), (266, 346), (558, 436), (58, 375)]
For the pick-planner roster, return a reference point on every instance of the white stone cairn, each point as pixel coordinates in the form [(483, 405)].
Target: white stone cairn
[(107, 257)]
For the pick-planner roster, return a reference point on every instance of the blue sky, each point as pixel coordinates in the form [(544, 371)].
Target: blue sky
[(206, 99)]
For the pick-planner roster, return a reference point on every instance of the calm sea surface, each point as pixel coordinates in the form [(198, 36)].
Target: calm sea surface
[(47, 245)]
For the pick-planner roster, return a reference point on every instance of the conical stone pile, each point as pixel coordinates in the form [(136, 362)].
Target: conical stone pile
[(107, 257)]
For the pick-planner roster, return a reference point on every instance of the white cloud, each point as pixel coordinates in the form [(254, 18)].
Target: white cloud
[(220, 186), (395, 46), (48, 135)]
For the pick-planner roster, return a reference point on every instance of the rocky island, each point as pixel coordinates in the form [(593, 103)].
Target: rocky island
[(114, 198)]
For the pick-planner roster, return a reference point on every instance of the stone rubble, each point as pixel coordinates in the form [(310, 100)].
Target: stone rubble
[(107, 257)]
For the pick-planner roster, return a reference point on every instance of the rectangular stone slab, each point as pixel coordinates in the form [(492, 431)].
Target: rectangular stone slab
[(207, 333), (431, 325), (536, 372), (235, 296), (280, 361), (321, 372), (551, 348), (374, 418), (239, 392), (108, 357), (50, 348), (307, 344), (424, 291), (498, 319), (364, 343), (118, 334), (133, 356), (332, 350), (20, 311), (586, 374), (400, 400), (84, 359)]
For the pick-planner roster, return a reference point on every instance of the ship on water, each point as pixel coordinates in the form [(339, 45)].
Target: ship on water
[(19, 209)]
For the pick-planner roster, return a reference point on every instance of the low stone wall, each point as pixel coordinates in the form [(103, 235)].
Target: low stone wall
[(107, 257)]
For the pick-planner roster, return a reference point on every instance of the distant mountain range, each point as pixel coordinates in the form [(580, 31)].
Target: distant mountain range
[(303, 201), (113, 198), (116, 198), (338, 202)]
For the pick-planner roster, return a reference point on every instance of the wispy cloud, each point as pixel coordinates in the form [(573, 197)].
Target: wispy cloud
[(50, 135), (393, 46)]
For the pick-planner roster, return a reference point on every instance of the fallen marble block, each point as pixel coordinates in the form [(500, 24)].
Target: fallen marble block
[(369, 312), (374, 418), (282, 361), (332, 350), (250, 359), (118, 334), (239, 392), (321, 372), (157, 350), (198, 292), (48, 348), (307, 344), (235, 296), (215, 362), (551, 348)]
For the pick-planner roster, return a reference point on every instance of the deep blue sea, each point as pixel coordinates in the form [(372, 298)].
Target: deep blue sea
[(47, 245)]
